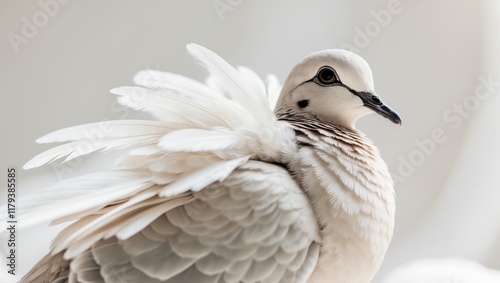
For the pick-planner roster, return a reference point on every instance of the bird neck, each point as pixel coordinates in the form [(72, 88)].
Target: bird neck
[(351, 192)]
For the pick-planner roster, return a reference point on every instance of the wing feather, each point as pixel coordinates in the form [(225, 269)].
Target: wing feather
[(86, 192), (193, 140), (273, 90), (203, 177), (176, 83), (83, 147), (107, 129), (234, 82), (195, 198)]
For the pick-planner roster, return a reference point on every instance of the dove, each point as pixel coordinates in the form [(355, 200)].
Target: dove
[(218, 187)]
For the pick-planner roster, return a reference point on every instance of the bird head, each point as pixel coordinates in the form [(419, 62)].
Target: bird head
[(335, 86)]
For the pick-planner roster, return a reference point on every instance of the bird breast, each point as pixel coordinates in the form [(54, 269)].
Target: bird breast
[(352, 194)]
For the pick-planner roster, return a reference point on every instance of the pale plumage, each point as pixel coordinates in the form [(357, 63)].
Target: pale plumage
[(220, 188)]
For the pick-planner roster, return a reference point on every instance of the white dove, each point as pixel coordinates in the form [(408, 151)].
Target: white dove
[(221, 189)]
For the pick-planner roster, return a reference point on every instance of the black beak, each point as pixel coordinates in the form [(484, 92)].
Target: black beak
[(373, 102)]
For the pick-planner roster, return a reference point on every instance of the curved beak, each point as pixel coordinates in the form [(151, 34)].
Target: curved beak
[(372, 101)]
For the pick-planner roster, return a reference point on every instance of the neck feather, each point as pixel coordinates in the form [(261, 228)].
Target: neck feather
[(350, 189)]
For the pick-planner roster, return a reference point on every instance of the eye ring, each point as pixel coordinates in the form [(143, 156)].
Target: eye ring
[(327, 76)]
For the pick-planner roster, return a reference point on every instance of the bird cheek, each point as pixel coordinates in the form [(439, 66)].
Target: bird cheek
[(357, 102)]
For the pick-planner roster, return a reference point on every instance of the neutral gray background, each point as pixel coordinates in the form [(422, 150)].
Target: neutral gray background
[(426, 59)]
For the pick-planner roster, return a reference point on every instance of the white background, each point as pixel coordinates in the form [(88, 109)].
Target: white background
[(426, 59)]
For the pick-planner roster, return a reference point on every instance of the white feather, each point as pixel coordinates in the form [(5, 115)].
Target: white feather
[(273, 90), (198, 112), (193, 140), (124, 217), (253, 79), (154, 102), (83, 147), (179, 84), (234, 83), (203, 177), (204, 132), (107, 129), (139, 221), (80, 194), (194, 117)]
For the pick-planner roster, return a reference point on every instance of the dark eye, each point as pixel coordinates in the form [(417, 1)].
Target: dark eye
[(327, 76)]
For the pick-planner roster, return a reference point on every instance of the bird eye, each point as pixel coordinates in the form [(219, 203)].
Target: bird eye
[(327, 76)]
